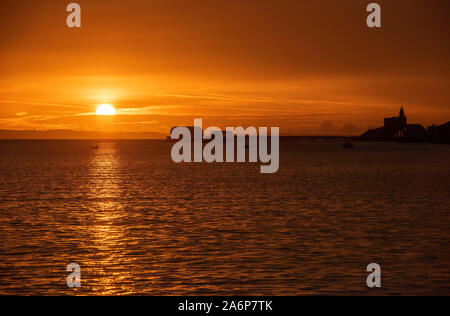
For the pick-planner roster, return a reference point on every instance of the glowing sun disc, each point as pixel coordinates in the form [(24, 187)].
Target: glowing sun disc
[(106, 109)]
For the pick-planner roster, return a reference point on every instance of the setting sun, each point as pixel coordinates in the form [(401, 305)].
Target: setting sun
[(106, 109)]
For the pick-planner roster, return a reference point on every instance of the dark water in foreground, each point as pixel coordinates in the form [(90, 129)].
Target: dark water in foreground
[(137, 223)]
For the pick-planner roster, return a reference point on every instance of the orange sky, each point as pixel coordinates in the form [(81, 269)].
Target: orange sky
[(309, 67)]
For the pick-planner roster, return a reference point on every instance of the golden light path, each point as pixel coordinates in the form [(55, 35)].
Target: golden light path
[(106, 109), (109, 264)]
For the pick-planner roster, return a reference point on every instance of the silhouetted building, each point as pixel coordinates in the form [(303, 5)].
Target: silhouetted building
[(397, 127)]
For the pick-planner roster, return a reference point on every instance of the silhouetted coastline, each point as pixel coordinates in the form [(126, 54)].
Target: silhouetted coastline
[(397, 129)]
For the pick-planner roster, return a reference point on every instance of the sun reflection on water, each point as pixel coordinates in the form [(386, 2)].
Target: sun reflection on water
[(109, 270)]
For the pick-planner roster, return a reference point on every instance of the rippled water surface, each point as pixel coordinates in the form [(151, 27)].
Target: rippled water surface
[(137, 223)]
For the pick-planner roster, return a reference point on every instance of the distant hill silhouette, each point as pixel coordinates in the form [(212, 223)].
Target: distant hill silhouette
[(70, 134)]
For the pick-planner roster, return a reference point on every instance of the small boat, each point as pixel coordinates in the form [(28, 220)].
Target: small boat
[(348, 145)]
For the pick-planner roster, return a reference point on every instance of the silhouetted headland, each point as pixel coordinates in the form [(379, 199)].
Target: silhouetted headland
[(398, 129), (394, 129)]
